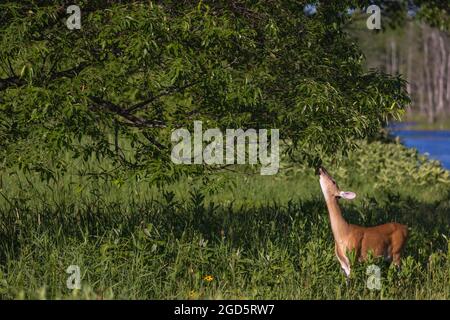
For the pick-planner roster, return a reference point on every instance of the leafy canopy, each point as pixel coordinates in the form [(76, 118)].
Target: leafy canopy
[(139, 69)]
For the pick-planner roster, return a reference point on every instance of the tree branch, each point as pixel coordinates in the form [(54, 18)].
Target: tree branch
[(144, 103), (124, 113), (17, 81), (69, 73)]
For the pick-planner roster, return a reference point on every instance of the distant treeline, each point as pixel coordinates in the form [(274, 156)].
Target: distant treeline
[(421, 54)]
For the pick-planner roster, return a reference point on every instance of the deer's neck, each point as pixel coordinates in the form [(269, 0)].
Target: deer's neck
[(338, 224)]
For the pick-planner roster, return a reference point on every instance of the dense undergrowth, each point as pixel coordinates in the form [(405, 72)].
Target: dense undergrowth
[(255, 236)]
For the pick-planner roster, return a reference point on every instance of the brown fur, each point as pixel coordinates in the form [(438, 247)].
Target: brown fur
[(386, 240)]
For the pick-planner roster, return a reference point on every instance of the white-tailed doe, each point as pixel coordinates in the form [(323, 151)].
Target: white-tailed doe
[(386, 240)]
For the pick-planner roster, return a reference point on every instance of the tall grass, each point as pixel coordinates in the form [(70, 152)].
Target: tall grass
[(258, 237)]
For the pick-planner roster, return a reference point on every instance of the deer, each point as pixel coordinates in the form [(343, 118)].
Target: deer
[(386, 240)]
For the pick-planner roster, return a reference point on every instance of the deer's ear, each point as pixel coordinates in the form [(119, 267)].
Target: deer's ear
[(347, 195)]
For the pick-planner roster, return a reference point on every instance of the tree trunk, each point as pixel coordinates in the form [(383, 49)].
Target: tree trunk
[(409, 76), (394, 64), (440, 64), (448, 81), (429, 90)]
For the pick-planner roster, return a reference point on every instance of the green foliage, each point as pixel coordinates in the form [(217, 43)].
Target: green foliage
[(382, 160), (262, 238), (136, 70), (85, 108), (435, 12)]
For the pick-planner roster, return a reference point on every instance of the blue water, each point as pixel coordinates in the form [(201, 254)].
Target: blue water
[(435, 143)]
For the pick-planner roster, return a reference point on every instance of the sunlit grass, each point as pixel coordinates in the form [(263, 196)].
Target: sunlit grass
[(256, 238)]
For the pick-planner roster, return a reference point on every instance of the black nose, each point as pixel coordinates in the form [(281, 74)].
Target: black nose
[(319, 170)]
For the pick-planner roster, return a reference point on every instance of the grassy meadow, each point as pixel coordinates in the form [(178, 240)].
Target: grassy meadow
[(253, 237)]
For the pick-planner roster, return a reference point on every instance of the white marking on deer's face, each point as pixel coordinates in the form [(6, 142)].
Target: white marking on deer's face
[(330, 188), (327, 184)]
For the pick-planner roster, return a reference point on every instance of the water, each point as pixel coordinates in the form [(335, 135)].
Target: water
[(436, 143)]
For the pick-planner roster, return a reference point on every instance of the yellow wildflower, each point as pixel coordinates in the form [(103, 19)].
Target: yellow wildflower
[(208, 278)]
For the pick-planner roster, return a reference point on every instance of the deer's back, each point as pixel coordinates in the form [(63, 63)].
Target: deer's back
[(382, 240)]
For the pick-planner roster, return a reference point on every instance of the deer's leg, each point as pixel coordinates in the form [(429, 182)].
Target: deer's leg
[(396, 259), (398, 242), (345, 264)]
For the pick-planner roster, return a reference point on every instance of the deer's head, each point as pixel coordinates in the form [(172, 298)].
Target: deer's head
[(330, 188)]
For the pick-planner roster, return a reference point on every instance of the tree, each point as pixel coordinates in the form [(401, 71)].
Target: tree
[(417, 51), (139, 69)]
